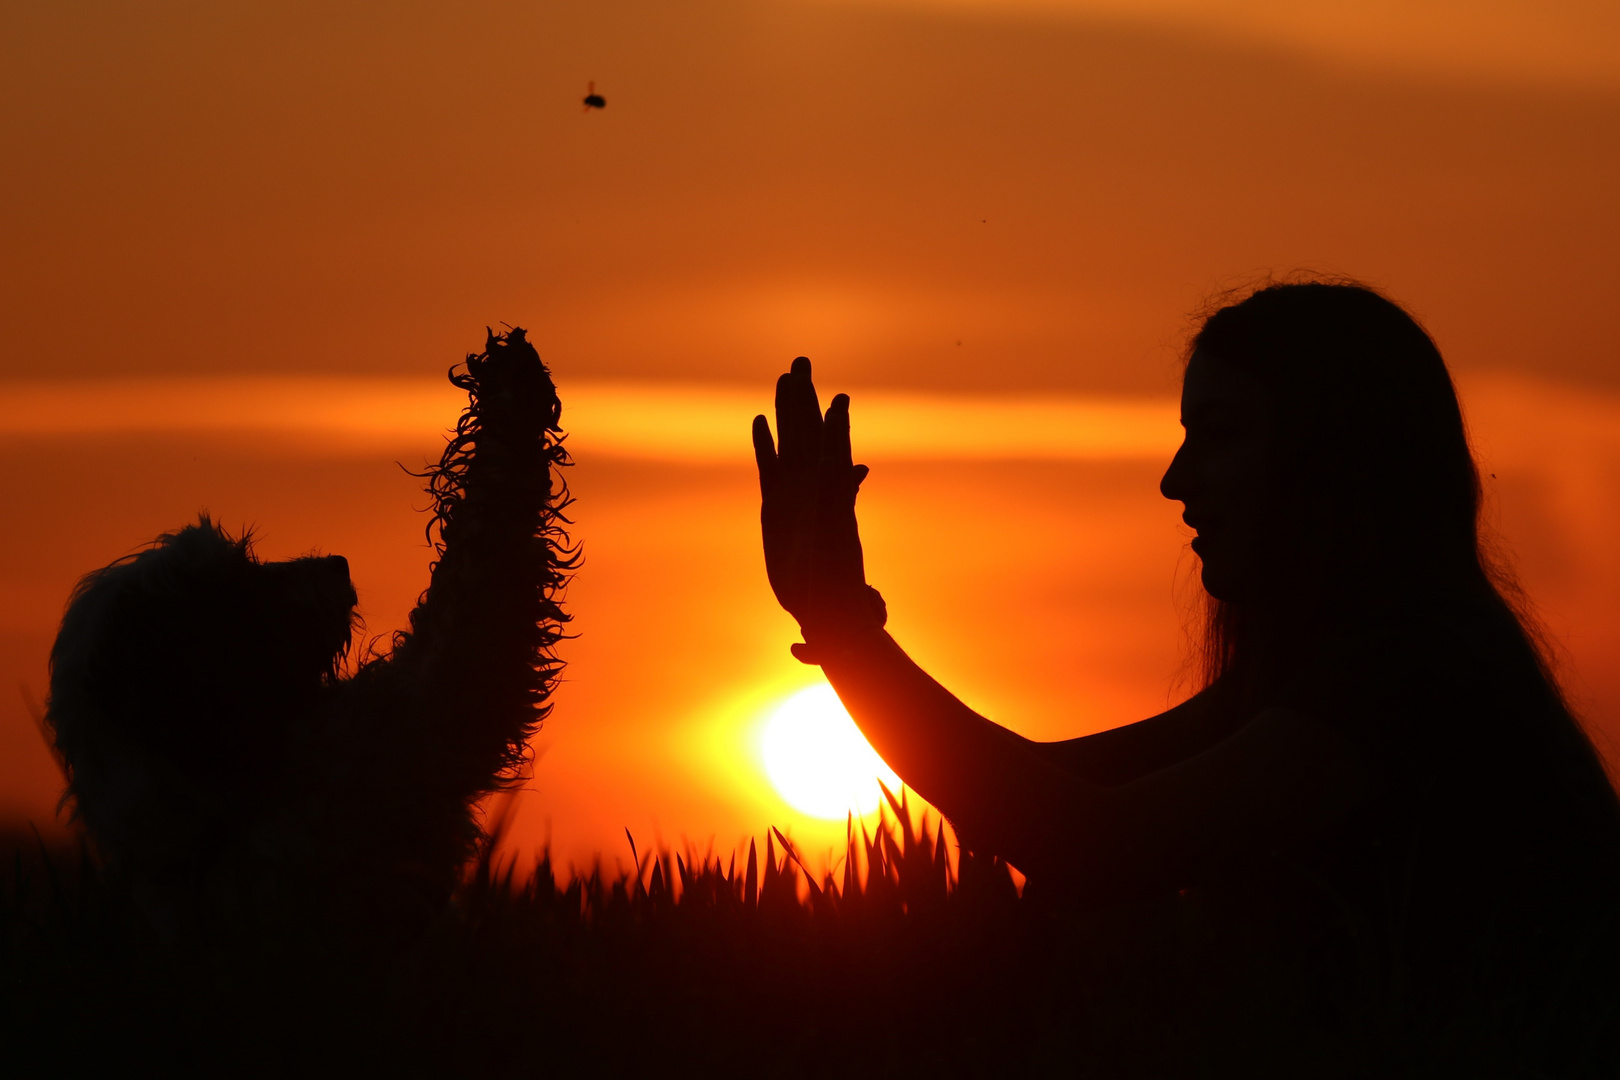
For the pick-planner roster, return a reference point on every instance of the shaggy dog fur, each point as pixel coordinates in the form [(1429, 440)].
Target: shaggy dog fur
[(231, 772)]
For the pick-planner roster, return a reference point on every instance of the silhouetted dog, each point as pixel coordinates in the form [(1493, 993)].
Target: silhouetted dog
[(227, 768)]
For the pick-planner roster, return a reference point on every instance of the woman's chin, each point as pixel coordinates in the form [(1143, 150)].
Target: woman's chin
[(1219, 583)]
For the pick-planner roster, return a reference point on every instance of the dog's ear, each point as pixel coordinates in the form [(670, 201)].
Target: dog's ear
[(156, 646), (144, 669)]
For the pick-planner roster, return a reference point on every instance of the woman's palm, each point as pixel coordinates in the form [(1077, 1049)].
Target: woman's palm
[(807, 487)]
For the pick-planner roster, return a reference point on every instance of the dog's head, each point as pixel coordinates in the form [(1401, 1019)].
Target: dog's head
[(177, 670)]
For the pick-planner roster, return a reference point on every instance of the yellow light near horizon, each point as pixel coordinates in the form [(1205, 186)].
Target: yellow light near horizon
[(665, 421), (818, 760)]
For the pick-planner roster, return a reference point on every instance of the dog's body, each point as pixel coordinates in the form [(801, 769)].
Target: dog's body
[(224, 766)]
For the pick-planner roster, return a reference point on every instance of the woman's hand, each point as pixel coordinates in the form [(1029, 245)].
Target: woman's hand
[(808, 485)]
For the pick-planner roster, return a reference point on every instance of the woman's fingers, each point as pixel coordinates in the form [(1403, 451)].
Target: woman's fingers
[(836, 456), (798, 415), (764, 450), (835, 451)]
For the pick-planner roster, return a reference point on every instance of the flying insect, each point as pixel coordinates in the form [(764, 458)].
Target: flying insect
[(593, 100)]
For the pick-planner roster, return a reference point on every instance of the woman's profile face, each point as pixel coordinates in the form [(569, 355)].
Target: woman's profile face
[(1222, 474)]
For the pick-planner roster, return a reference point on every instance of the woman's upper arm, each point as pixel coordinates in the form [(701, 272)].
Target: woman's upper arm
[(1120, 755)]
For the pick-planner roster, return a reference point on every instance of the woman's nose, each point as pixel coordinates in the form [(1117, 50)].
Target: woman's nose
[(1173, 485)]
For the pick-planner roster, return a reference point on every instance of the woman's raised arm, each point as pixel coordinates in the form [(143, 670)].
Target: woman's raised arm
[(1140, 808)]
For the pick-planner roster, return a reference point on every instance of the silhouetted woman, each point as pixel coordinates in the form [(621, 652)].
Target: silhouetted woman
[(1376, 717)]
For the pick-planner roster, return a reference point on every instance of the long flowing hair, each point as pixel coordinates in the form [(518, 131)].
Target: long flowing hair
[(1377, 498)]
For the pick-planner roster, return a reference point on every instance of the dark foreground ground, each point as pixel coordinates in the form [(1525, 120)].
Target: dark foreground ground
[(918, 965)]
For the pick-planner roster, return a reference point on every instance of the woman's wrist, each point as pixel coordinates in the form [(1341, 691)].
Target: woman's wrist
[(853, 624)]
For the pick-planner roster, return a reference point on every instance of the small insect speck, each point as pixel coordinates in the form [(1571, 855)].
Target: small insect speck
[(959, 343), (593, 100)]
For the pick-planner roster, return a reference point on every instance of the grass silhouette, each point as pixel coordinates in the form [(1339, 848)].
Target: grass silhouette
[(899, 960)]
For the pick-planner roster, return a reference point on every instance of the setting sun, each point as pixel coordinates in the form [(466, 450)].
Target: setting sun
[(817, 759)]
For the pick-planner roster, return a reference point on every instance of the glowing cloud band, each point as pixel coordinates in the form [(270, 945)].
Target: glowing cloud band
[(673, 422)]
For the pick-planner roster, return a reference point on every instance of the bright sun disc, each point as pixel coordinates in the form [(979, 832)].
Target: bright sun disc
[(818, 760)]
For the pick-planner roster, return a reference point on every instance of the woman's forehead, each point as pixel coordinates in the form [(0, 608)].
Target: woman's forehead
[(1211, 384)]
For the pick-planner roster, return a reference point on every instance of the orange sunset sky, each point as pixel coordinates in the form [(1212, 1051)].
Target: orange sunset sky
[(239, 244)]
